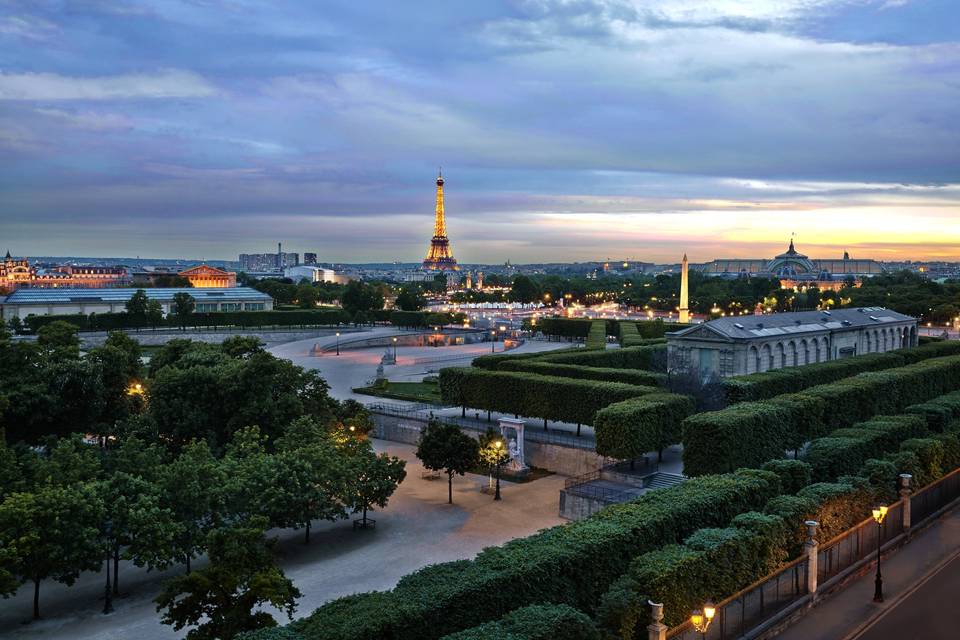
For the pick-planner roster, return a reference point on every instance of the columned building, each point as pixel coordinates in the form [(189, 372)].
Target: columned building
[(739, 345), (204, 277)]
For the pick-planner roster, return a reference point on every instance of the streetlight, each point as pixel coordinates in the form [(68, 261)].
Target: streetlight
[(498, 445), (701, 619), (493, 341), (394, 350), (338, 343), (107, 590), (878, 515)]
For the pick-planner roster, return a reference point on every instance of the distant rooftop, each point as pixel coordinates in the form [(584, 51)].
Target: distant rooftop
[(773, 324), (39, 296)]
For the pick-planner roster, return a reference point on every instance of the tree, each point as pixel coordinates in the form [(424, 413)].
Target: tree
[(489, 453), (444, 447), (16, 325), (59, 340), (154, 314), (307, 296), (524, 289), (223, 598), (183, 306), (409, 299), (360, 296), (439, 284), (242, 346), (53, 532), (136, 308), (373, 479)]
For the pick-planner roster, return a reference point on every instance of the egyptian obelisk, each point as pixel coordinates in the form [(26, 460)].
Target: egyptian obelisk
[(684, 292)]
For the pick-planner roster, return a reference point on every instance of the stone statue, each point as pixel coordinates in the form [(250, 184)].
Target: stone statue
[(380, 375), (513, 448)]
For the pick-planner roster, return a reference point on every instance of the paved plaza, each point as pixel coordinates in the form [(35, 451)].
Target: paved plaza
[(417, 528)]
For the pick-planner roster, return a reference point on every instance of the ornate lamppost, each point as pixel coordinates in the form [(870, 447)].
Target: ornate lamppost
[(338, 343), (493, 341), (701, 619), (498, 447), (394, 350), (878, 515)]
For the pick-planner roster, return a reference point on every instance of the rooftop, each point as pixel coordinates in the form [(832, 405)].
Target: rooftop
[(66, 295), (746, 327)]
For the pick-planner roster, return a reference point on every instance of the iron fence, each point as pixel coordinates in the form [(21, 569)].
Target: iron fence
[(743, 611)]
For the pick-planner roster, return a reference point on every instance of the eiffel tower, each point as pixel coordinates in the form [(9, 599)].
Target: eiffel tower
[(439, 257)]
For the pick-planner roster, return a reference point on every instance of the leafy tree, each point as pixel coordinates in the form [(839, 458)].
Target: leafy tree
[(16, 325), (154, 313), (136, 307), (524, 290), (307, 296), (409, 299), (59, 340), (223, 598), (183, 307), (489, 453), (361, 296), (444, 447), (68, 461), (242, 346), (439, 284), (191, 485), (373, 479), (53, 532)]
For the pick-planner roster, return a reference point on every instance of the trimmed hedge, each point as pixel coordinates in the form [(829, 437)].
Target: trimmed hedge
[(650, 358), (711, 564), (569, 564), (532, 395), (767, 384), (597, 337), (110, 321), (940, 413), (749, 433), (607, 374), (629, 429), (845, 450), (494, 360), (565, 327), (535, 622), (794, 474)]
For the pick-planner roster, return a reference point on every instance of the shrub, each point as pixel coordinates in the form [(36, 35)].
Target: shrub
[(940, 413), (629, 429), (493, 361), (565, 327), (535, 622), (930, 454), (744, 435), (882, 476), (650, 358), (839, 505), (628, 376), (568, 564), (846, 450), (529, 394), (794, 474), (597, 338)]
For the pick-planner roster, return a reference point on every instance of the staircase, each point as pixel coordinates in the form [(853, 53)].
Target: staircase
[(662, 480)]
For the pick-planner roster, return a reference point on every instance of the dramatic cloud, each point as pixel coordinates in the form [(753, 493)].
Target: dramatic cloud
[(568, 129)]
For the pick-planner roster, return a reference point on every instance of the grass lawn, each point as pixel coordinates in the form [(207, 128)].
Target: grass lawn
[(413, 391)]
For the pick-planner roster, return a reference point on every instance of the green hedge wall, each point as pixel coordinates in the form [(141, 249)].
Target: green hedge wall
[(597, 337), (794, 474), (650, 358), (535, 622), (845, 450), (494, 360), (836, 506), (627, 376), (110, 321), (940, 413), (532, 395), (749, 433), (565, 327), (627, 430), (569, 564), (760, 386), (711, 564)]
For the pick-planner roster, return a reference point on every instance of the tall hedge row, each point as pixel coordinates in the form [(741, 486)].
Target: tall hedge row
[(494, 360), (682, 577), (565, 327), (534, 622), (569, 564), (845, 450), (532, 395), (629, 429), (627, 376), (110, 321), (940, 413), (650, 358), (767, 384), (749, 433), (597, 336)]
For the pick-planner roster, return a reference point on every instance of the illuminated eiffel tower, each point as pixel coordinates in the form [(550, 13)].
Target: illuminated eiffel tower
[(439, 256)]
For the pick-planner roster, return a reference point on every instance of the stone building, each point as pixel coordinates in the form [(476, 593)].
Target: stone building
[(740, 345)]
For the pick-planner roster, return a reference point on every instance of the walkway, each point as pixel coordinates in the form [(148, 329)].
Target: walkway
[(417, 528), (920, 583)]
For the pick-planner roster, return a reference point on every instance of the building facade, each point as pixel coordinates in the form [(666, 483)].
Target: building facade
[(793, 265), (739, 345), (315, 274), (41, 302), (206, 277), (18, 272)]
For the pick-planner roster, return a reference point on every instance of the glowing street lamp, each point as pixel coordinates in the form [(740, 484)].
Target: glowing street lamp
[(338, 343), (493, 341), (701, 619), (394, 350), (498, 446), (135, 389), (878, 515)]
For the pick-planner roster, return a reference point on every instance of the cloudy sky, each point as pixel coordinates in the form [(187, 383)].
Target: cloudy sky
[(567, 130)]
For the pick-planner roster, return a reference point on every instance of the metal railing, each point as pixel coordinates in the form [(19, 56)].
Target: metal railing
[(753, 609), (581, 486)]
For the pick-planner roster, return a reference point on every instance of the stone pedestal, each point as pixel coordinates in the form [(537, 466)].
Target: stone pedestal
[(811, 548)]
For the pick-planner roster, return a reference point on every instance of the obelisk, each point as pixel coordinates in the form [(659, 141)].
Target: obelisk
[(684, 291)]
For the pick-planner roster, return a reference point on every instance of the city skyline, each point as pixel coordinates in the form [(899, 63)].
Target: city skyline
[(583, 130)]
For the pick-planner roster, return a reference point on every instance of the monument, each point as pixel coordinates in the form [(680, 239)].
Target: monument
[(512, 431), (439, 257), (684, 291)]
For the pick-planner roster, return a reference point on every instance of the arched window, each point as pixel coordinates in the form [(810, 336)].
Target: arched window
[(804, 352), (753, 360), (766, 358), (780, 358)]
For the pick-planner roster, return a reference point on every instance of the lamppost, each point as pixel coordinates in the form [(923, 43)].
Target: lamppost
[(107, 590), (701, 619), (878, 515), (338, 343), (394, 350), (498, 446), (493, 341)]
